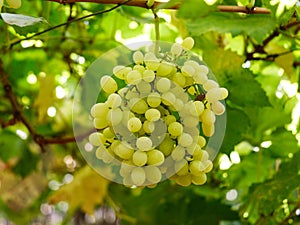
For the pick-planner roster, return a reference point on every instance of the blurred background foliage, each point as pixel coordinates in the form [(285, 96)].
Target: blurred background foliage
[(256, 176)]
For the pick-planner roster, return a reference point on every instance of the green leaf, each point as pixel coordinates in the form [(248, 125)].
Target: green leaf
[(24, 168), (250, 25), (188, 10)]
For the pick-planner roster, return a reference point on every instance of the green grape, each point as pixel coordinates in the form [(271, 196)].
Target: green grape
[(99, 110), (139, 68), (200, 155), (123, 151), (169, 119), (165, 69), (108, 133), (132, 95), (155, 157), (218, 108), (181, 167), (108, 84), (148, 76), (151, 62), (208, 117), (114, 116), (213, 95), (178, 153), (175, 129), (208, 129), (168, 98), (133, 77), (114, 101), (224, 93), (100, 152), (138, 176), (199, 106), (152, 115), (185, 140), (176, 49), (148, 126), (121, 71), (190, 109), (153, 174), (179, 79), (178, 105), (192, 90), (144, 143), (166, 146), (134, 124), (190, 121), (184, 180), (96, 139), (126, 168), (154, 99), (199, 179), (200, 78), (123, 91), (210, 84), (203, 69), (107, 156), (144, 88), (139, 158), (187, 71), (138, 57), (192, 148), (201, 141), (163, 85), (208, 166), (138, 105), (100, 123), (196, 167), (188, 43)]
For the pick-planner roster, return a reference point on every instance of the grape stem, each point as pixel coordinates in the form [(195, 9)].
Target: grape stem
[(157, 34)]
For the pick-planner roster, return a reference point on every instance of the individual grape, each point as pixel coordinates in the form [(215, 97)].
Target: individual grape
[(168, 98), (108, 133), (133, 77), (188, 43), (139, 158), (155, 157), (114, 101), (100, 123), (210, 84), (144, 88), (181, 167), (192, 148), (166, 146), (208, 166), (201, 141), (190, 121), (208, 117), (14, 3), (96, 139), (148, 126), (99, 110), (154, 99), (192, 90), (152, 115), (151, 62), (199, 106), (218, 108), (165, 69), (200, 78), (178, 153), (196, 167), (224, 93), (144, 143), (176, 49), (201, 155), (148, 76), (126, 168), (139, 68), (100, 152), (153, 174), (175, 129), (199, 179), (108, 84), (187, 71), (203, 69), (179, 79), (138, 57), (178, 105), (138, 105), (138, 176), (184, 180), (114, 116), (134, 124), (190, 109), (185, 139), (123, 151), (121, 71), (169, 119), (208, 129), (213, 95), (132, 95), (163, 85)]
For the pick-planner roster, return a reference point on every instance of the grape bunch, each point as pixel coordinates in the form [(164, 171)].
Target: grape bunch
[(155, 126)]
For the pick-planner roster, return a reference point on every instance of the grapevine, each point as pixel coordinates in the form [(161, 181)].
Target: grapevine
[(156, 124)]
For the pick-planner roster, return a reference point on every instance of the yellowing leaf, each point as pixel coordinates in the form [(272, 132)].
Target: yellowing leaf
[(46, 96), (87, 190), (286, 62)]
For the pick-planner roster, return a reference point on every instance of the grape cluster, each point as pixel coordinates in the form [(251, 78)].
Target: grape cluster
[(150, 125)]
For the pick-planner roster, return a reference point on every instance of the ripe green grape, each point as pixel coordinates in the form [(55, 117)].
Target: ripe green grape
[(139, 158), (168, 98), (148, 76), (154, 99), (178, 153), (123, 151), (224, 93), (144, 143), (181, 167), (166, 146), (210, 84), (114, 100), (138, 176), (188, 71), (179, 79), (96, 139), (108, 84), (152, 115), (153, 174), (201, 141), (208, 117), (218, 108), (175, 129), (176, 49), (185, 140), (196, 167), (164, 69), (138, 57), (214, 95), (100, 123), (163, 85), (188, 43), (134, 77), (169, 119), (148, 126), (99, 110), (199, 179), (184, 180), (208, 129), (155, 157), (114, 116), (134, 124), (138, 105)]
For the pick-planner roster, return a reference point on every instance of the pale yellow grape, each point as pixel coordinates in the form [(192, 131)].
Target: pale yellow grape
[(139, 106), (192, 148), (199, 106), (201, 141), (187, 71), (134, 124), (178, 78), (139, 158), (224, 93), (208, 117), (166, 146), (123, 151), (190, 109), (99, 152), (121, 71), (181, 167), (14, 3), (185, 140), (188, 43), (178, 105), (169, 119), (133, 77), (200, 155), (100, 123), (184, 180), (200, 179), (152, 115), (210, 84), (114, 116), (218, 108), (163, 85), (153, 174), (196, 167), (155, 157), (164, 69), (154, 99), (144, 143), (176, 49), (96, 139), (148, 126), (208, 166), (200, 78), (192, 90), (138, 176), (194, 64), (99, 110), (175, 129), (208, 129), (190, 121), (114, 100), (178, 153), (148, 76), (126, 168), (132, 94), (168, 98), (127, 181), (213, 95), (163, 110), (107, 156), (108, 84), (152, 63), (108, 133), (126, 116), (138, 57), (139, 68), (203, 69)]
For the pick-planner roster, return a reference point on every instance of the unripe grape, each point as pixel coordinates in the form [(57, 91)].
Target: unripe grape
[(154, 99), (175, 129), (152, 63), (168, 98), (201, 141), (218, 108), (144, 143), (134, 124), (96, 139), (200, 179), (138, 57), (138, 106), (181, 167), (153, 174), (163, 85), (14, 3), (123, 151), (144, 88), (208, 166), (196, 167), (138, 176), (188, 43), (184, 180), (185, 139), (100, 123), (139, 158), (179, 79), (114, 116), (201, 155), (152, 115), (121, 71), (108, 133), (164, 69), (148, 76), (114, 100), (169, 119), (139, 68), (155, 157), (166, 146), (208, 129), (99, 110), (133, 77), (224, 93), (187, 71), (108, 84)]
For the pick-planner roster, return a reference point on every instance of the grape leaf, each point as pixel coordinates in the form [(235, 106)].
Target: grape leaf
[(86, 191), (188, 10), (286, 62)]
